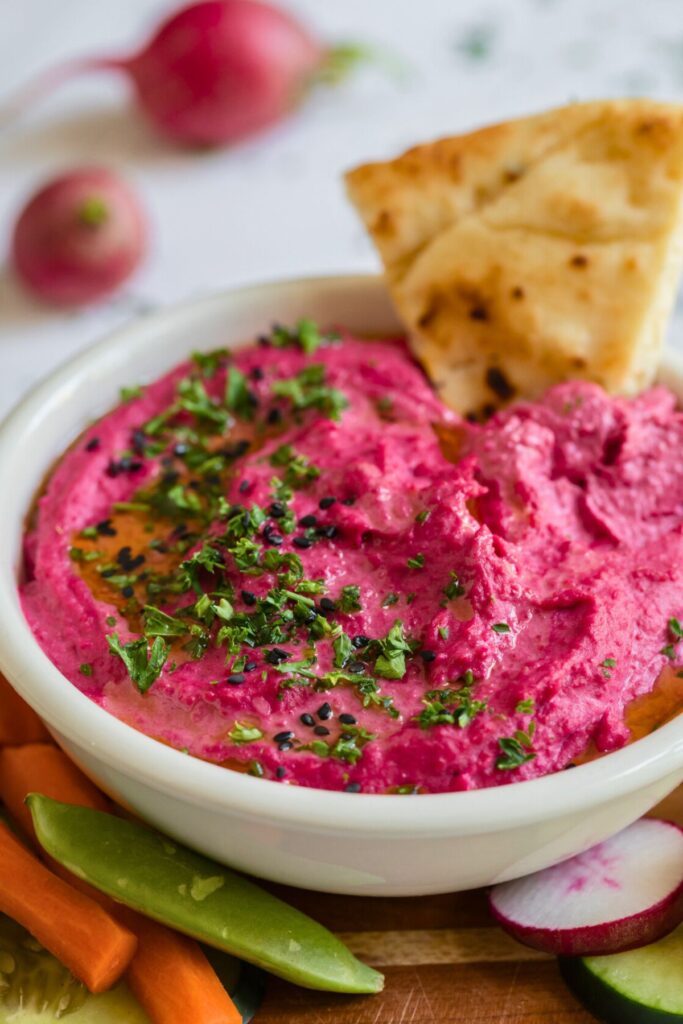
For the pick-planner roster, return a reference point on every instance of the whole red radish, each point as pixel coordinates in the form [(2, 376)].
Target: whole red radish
[(219, 70), (79, 237)]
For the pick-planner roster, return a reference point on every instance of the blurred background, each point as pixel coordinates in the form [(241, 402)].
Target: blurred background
[(273, 205)]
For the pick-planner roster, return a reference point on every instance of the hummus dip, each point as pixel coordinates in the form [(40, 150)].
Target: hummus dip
[(295, 561)]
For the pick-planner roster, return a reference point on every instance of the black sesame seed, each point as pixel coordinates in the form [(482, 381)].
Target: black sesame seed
[(271, 536), (127, 591), (93, 444), (324, 711), (321, 730), (347, 719), (353, 787), (256, 373), (276, 509), (250, 666), (124, 555), (280, 772), (249, 597), (326, 503), (302, 542), (236, 678), (282, 737), (307, 719), (328, 531), (274, 416), (285, 746), (427, 655), (309, 520), (356, 667), (105, 529), (327, 604), (360, 640), (276, 656), (106, 573), (244, 486)]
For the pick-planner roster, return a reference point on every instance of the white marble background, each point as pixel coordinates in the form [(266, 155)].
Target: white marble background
[(274, 206)]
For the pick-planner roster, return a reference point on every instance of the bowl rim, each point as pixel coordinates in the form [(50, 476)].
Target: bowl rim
[(126, 750)]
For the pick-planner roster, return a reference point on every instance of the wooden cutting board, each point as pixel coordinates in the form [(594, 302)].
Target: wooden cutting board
[(445, 963)]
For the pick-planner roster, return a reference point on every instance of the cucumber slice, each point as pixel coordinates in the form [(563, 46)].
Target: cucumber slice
[(36, 989), (643, 986)]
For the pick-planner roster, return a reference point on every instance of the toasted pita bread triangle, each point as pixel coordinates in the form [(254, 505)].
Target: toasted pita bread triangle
[(536, 250)]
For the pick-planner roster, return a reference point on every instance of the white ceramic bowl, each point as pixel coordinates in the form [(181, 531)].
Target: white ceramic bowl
[(340, 842)]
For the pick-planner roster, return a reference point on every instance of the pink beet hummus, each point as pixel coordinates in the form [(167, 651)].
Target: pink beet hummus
[(294, 560)]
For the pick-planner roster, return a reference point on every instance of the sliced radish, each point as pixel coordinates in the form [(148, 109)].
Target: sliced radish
[(620, 894)]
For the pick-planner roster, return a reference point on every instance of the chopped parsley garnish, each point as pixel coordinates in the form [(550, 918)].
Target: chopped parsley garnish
[(241, 733), (128, 394), (526, 706), (669, 651), (343, 649), (349, 746), (444, 632), (238, 398), (606, 666), (391, 598), (675, 628), (454, 587), (85, 669), (500, 627), (423, 516), (307, 390), (158, 623), (349, 600), (450, 707), (417, 562), (517, 749), (299, 472), (391, 660), (208, 363), (306, 335), (144, 666)]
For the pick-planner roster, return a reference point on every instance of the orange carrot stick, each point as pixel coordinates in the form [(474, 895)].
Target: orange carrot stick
[(172, 978), (18, 722), (84, 937), (43, 768), (169, 973)]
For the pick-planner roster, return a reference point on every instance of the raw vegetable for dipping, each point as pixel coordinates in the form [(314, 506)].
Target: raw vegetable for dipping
[(79, 237), (219, 70), (643, 986), (95, 947), (169, 973), (18, 722), (195, 895), (625, 892)]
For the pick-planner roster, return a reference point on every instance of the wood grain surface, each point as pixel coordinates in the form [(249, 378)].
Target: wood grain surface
[(445, 963)]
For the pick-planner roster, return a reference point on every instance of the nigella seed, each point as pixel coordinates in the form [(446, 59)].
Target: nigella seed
[(276, 509), (324, 711), (321, 730), (357, 667), (127, 592), (282, 737), (326, 503), (249, 597), (302, 542), (274, 416), (328, 531), (276, 656), (93, 444), (309, 520), (105, 529), (250, 666), (353, 787), (346, 719), (236, 678), (307, 719), (280, 772), (244, 486), (106, 573), (427, 655), (327, 604), (285, 746), (360, 640), (271, 536)]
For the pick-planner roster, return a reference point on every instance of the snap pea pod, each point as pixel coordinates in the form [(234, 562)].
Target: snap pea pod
[(156, 876)]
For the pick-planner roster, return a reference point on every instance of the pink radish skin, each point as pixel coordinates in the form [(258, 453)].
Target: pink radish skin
[(79, 237), (623, 893), (220, 70)]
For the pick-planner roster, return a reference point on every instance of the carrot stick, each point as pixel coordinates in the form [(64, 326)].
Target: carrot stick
[(43, 768), (172, 978), (169, 973), (84, 937), (18, 722)]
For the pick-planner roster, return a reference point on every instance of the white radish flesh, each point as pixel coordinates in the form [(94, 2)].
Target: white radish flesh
[(621, 894)]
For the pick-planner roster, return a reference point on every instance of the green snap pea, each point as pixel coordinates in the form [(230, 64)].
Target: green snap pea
[(164, 880)]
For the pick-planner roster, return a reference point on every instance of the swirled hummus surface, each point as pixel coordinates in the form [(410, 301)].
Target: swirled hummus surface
[(294, 560)]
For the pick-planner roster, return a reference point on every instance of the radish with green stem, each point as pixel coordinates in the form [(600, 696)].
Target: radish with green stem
[(79, 237), (623, 893), (219, 70)]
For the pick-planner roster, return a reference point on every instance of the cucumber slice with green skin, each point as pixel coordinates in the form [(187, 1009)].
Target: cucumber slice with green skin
[(173, 885), (36, 989), (642, 986)]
